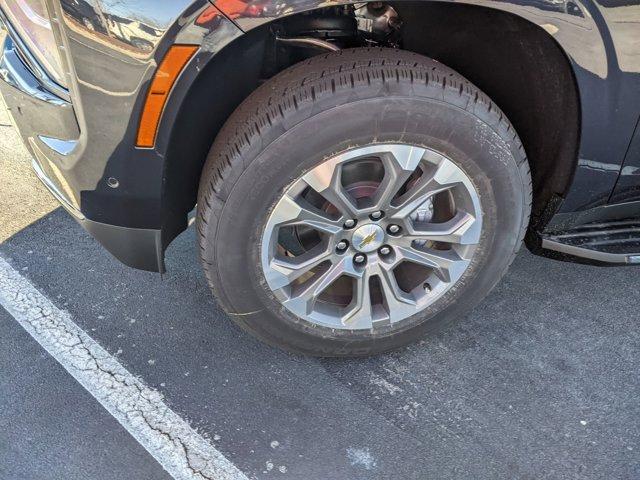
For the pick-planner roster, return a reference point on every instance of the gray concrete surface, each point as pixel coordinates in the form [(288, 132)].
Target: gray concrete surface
[(540, 381), (52, 428)]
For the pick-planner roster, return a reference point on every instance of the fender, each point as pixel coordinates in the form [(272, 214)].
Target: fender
[(111, 69), (111, 187)]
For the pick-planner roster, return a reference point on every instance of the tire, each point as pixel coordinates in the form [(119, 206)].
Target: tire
[(329, 104)]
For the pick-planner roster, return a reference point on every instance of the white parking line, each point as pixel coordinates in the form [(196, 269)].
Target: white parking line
[(182, 452)]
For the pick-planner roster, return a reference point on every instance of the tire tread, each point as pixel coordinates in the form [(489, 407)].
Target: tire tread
[(277, 104)]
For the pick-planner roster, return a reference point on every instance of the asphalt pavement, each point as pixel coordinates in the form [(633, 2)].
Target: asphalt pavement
[(540, 381)]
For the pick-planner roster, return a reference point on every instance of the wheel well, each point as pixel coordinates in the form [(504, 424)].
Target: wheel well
[(524, 71), (516, 63)]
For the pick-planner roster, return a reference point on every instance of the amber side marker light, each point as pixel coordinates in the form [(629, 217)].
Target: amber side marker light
[(163, 80)]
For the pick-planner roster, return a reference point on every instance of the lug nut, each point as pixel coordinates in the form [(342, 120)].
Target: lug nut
[(350, 223), (385, 250), (342, 245), (394, 228), (427, 288), (359, 258), (376, 215)]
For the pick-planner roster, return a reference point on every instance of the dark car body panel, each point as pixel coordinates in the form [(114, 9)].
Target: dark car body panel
[(628, 186), (107, 87), (85, 152)]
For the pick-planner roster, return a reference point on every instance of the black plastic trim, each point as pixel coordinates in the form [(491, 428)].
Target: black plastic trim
[(590, 254)]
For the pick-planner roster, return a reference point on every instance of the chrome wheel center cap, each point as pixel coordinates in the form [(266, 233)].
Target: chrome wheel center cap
[(367, 238)]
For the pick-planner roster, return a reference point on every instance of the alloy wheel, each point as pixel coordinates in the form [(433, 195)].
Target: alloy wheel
[(371, 236)]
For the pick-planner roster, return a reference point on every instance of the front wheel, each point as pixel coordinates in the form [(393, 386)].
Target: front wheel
[(359, 200)]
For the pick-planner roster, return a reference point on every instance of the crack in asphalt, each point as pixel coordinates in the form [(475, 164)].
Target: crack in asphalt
[(141, 410)]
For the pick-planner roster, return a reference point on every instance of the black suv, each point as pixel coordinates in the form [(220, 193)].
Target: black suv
[(362, 173)]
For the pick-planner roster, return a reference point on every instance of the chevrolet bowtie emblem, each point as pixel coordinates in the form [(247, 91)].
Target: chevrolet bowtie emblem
[(367, 240)]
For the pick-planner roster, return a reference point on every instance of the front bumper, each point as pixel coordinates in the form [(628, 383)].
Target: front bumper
[(41, 116), (44, 115)]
